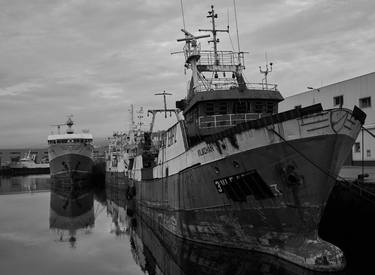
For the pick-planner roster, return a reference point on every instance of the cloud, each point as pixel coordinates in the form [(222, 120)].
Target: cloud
[(94, 58), (19, 88)]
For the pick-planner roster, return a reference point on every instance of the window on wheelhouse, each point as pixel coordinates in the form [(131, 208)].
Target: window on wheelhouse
[(240, 107), (210, 111)]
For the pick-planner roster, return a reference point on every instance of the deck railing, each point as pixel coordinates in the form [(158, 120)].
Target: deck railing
[(215, 121), (223, 58), (228, 83)]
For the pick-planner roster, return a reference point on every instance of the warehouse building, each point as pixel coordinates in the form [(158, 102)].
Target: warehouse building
[(359, 91)]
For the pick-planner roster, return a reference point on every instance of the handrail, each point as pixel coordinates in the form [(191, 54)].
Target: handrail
[(224, 120), (226, 84), (224, 58)]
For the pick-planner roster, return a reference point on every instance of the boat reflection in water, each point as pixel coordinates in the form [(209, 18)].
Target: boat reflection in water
[(24, 184), (157, 251), (71, 210)]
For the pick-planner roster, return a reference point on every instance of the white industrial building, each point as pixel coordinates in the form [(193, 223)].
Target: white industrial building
[(358, 91)]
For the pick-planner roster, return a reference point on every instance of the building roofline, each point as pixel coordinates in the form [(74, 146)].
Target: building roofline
[(322, 87)]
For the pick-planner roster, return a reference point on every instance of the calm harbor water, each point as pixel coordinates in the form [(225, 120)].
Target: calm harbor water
[(44, 233)]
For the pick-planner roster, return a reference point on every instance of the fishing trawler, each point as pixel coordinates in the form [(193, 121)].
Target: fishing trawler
[(236, 173), (120, 145), (70, 155)]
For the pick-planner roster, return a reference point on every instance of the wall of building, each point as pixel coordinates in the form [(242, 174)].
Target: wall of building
[(352, 91)]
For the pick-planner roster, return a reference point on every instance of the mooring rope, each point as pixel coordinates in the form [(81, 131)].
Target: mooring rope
[(371, 194)]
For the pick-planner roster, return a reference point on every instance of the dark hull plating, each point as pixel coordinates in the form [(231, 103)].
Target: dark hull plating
[(71, 168), (246, 213)]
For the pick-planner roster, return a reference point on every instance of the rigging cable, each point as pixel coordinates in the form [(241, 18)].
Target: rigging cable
[(230, 38), (235, 16)]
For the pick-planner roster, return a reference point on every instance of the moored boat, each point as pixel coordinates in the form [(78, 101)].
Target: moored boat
[(121, 147), (236, 173), (28, 165), (70, 155)]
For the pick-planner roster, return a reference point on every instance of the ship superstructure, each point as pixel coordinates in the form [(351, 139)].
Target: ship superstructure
[(237, 173), (70, 155)]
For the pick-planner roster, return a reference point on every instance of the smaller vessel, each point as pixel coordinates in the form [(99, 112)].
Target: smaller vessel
[(70, 155), (28, 165)]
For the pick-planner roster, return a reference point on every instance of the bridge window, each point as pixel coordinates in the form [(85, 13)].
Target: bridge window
[(210, 109), (240, 107), (221, 108), (270, 107), (258, 107)]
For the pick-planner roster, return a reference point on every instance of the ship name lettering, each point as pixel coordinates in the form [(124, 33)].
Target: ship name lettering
[(205, 150)]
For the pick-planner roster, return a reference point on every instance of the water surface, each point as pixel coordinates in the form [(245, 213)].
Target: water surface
[(45, 231)]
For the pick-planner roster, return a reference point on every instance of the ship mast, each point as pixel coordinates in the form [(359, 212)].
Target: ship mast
[(69, 123), (165, 110), (131, 111), (211, 61), (213, 15)]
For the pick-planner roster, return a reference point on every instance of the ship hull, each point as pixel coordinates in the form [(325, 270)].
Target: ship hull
[(282, 220), (72, 164), (261, 185)]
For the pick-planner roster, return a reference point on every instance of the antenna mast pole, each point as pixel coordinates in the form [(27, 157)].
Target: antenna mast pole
[(266, 72), (238, 37), (213, 15), (183, 16), (131, 110)]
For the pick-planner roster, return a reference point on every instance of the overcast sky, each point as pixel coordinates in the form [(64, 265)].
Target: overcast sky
[(93, 58)]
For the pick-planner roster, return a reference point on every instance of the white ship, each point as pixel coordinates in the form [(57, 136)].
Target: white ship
[(70, 155)]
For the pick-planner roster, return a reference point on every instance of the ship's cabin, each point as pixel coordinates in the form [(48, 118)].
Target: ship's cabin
[(210, 112)]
